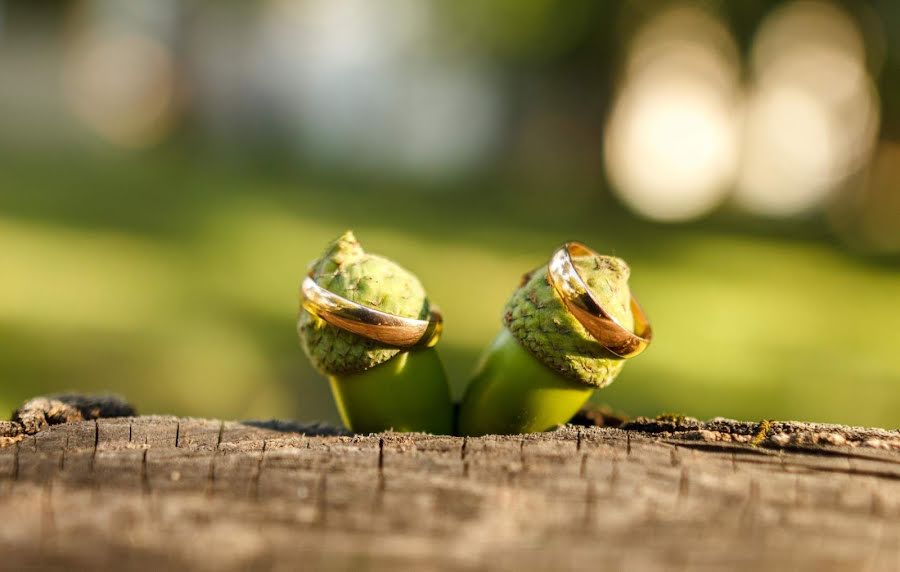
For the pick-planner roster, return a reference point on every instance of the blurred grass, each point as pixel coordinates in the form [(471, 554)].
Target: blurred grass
[(174, 282)]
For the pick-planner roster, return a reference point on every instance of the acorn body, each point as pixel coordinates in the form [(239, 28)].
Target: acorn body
[(544, 365), (376, 386), (409, 392), (512, 392)]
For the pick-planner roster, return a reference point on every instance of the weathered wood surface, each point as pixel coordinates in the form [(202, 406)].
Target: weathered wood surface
[(161, 493)]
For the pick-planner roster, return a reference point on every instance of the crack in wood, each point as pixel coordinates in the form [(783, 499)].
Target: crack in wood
[(840, 453), (96, 445), (211, 475), (221, 432), (767, 451), (590, 502), (381, 486), (876, 505), (614, 476), (321, 501), (15, 472), (792, 468), (62, 460), (799, 494), (381, 456), (257, 475), (723, 448), (683, 484), (145, 479)]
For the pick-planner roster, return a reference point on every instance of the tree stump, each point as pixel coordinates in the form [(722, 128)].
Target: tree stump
[(162, 493)]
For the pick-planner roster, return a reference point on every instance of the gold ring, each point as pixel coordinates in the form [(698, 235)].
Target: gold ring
[(369, 323), (580, 302)]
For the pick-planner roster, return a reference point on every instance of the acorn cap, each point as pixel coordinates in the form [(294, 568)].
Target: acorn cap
[(537, 318), (347, 270)]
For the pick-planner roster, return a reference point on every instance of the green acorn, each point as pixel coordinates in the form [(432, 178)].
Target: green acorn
[(376, 386), (544, 365)]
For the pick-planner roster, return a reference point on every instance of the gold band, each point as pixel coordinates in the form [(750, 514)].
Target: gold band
[(370, 323), (581, 303)]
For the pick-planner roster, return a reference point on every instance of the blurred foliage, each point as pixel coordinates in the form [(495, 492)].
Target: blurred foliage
[(174, 281)]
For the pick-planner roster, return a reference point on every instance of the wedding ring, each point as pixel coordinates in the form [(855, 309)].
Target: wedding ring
[(582, 304), (369, 323)]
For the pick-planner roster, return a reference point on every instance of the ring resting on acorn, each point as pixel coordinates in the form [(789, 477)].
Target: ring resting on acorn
[(582, 304), (361, 325), (568, 330), (370, 323)]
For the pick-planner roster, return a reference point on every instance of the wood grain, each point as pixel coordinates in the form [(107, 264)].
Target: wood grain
[(150, 493)]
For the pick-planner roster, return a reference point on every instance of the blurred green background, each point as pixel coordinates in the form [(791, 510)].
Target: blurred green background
[(168, 169)]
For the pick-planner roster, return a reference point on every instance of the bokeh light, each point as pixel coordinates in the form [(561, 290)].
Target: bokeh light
[(671, 141), (789, 152), (119, 73), (813, 112), (123, 88)]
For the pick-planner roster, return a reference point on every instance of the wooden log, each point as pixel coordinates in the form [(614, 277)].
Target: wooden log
[(150, 493)]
